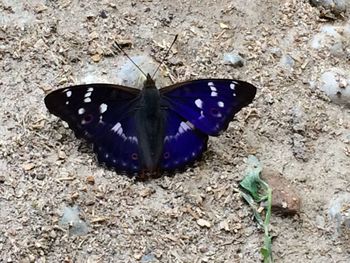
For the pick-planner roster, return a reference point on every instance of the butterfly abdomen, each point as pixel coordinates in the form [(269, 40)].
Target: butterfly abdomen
[(149, 120)]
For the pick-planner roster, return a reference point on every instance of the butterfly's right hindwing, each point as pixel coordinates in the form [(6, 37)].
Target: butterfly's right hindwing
[(183, 143)]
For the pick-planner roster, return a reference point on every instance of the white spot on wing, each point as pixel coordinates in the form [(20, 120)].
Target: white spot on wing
[(120, 131), (189, 124), (212, 88), (67, 102), (69, 93), (199, 103), (87, 94), (232, 86), (87, 100), (221, 104), (103, 108), (133, 139), (214, 94), (210, 84), (81, 111), (183, 127), (90, 89), (116, 127)]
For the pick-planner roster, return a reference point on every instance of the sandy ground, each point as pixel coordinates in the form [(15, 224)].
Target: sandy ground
[(291, 127)]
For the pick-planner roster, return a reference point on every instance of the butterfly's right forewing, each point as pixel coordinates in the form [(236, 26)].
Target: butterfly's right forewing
[(102, 114)]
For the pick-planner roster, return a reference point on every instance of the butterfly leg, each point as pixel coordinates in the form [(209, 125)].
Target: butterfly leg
[(146, 174), (142, 176), (156, 173)]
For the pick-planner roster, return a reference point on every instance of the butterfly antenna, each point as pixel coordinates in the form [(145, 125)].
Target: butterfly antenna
[(167, 53), (125, 54)]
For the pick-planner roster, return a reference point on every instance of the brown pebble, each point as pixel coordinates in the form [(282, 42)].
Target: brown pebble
[(90, 180), (285, 199), (96, 58)]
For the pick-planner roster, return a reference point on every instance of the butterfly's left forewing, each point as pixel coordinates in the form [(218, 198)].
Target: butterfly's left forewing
[(102, 114), (209, 104)]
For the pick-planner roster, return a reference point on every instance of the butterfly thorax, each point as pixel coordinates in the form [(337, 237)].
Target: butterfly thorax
[(150, 126), (149, 83)]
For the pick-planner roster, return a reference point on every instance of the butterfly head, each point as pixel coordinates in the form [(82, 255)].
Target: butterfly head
[(149, 82)]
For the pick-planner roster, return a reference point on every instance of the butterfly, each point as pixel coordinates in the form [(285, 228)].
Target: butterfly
[(150, 130)]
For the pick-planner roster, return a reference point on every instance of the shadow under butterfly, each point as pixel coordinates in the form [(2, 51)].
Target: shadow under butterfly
[(150, 131)]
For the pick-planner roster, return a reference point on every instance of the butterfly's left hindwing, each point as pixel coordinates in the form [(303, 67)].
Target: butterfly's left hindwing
[(102, 114), (119, 146), (209, 104)]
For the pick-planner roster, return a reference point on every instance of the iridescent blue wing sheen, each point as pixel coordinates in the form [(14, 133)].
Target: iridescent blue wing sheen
[(209, 104), (183, 144), (103, 115)]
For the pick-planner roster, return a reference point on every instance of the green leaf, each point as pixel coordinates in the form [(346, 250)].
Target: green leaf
[(255, 191), (252, 181)]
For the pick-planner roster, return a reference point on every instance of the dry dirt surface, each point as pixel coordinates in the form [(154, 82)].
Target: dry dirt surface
[(197, 215)]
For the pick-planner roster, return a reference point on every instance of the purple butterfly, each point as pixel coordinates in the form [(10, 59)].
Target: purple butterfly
[(151, 130)]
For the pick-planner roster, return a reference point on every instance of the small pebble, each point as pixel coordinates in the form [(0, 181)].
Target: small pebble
[(96, 58), (224, 26), (62, 155), (71, 218), (103, 14), (233, 59), (339, 213), (287, 62), (335, 6), (40, 176), (298, 119), (90, 180), (148, 258), (336, 84), (28, 166), (203, 223), (299, 148), (137, 256)]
